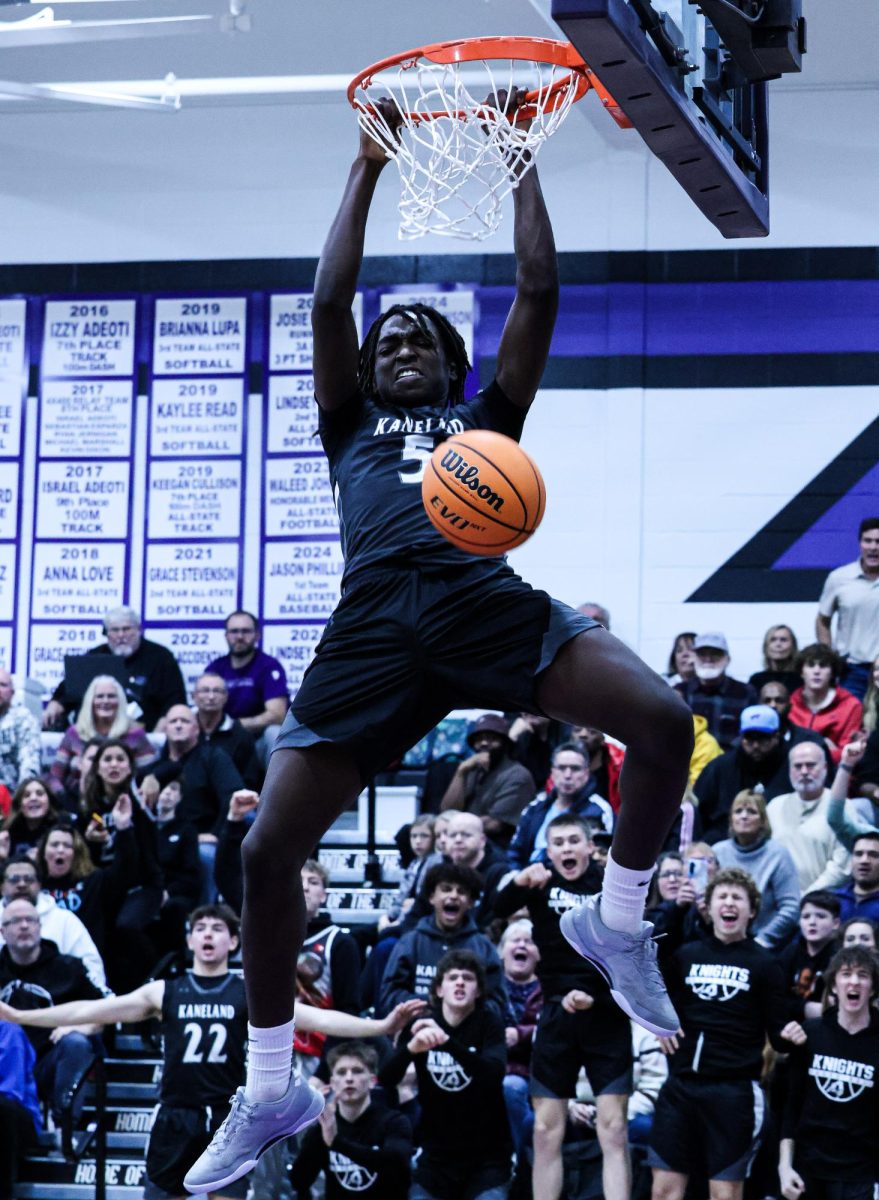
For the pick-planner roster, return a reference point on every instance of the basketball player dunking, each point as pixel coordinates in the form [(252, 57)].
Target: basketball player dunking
[(422, 627)]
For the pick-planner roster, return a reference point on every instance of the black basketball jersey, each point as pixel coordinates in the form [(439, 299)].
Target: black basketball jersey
[(377, 455), (204, 1028)]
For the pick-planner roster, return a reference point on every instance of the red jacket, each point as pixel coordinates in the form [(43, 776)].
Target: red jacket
[(615, 756), (838, 721)]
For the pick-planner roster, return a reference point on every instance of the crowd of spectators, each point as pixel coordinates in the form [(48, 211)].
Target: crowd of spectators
[(521, 1073)]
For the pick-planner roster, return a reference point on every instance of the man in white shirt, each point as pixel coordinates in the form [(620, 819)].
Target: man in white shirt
[(799, 822), (852, 592)]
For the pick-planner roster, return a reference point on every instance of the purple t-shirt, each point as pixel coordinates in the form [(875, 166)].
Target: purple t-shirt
[(249, 687)]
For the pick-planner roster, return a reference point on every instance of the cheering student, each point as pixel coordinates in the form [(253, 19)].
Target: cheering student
[(460, 1055), (830, 1132), (360, 1145), (730, 994)]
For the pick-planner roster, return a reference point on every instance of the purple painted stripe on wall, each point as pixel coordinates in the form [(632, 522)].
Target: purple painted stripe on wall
[(793, 317), (833, 538)]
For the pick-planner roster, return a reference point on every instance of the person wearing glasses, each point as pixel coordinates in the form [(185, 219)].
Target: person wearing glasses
[(20, 879), (34, 974), (154, 678), (573, 791), (256, 682), (210, 695)]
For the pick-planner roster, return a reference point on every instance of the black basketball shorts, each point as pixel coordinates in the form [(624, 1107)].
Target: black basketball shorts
[(177, 1139), (707, 1126), (599, 1039), (406, 645)]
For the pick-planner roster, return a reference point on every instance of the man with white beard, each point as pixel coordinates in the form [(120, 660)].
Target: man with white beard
[(713, 694), (154, 680)]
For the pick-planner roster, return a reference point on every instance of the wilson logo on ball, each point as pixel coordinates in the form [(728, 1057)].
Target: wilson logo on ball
[(468, 475), (483, 492)]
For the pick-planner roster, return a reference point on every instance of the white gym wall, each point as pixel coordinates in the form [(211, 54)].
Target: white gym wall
[(649, 491)]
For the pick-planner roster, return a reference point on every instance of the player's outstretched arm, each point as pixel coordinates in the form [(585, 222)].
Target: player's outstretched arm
[(525, 342), (339, 1024), (336, 346), (139, 1005)]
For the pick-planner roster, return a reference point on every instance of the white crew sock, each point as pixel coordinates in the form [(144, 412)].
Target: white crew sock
[(623, 896), (269, 1061)]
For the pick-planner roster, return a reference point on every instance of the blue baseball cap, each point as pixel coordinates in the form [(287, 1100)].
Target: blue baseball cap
[(759, 718)]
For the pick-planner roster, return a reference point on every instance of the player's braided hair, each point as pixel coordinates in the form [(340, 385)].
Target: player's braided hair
[(450, 340)]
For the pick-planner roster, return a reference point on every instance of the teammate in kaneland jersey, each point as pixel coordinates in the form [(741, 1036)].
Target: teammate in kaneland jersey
[(730, 993), (204, 1030), (423, 627), (830, 1131)]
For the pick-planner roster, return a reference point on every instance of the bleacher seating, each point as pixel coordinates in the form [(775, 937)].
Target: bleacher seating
[(133, 1074)]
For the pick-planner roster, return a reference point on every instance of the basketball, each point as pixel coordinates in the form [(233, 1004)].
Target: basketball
[(483, 492)]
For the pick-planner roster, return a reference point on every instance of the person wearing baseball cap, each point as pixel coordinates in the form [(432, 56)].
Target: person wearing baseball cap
[(758, 762), (713, 694), (490, 783)]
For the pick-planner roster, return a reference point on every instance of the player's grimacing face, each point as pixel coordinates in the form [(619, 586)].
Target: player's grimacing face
[(411, 367)]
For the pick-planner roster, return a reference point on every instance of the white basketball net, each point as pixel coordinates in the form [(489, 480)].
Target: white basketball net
[(456, 170)]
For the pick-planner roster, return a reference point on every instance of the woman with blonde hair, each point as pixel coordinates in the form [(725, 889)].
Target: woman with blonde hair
[(102, 714), (751, 847), (780, 652)]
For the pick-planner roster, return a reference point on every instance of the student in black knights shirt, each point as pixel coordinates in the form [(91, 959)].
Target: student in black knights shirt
[(730, 994), (830, 1133), (580, 1024), (360, 1146), (460, 1056)]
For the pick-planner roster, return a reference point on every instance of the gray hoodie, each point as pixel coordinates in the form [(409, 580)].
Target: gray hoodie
[(771, 867)]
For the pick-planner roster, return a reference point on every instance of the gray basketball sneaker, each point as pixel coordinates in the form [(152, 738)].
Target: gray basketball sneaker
[(248, 1131), (628, 963)]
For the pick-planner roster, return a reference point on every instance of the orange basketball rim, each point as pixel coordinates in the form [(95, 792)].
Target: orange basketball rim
[(484, 50)]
